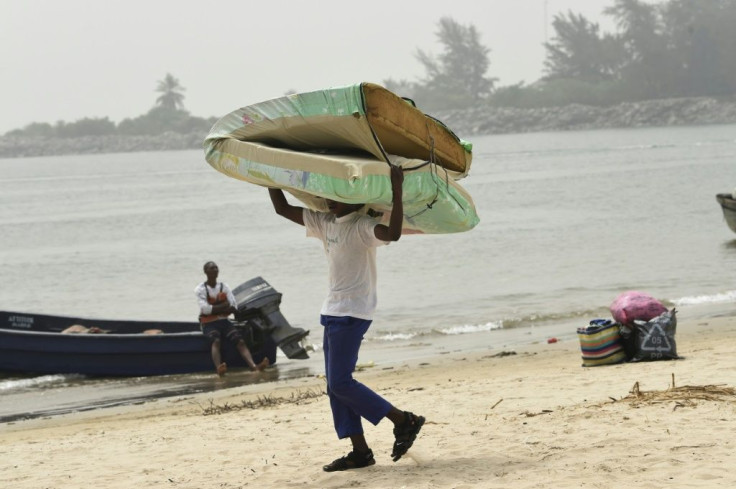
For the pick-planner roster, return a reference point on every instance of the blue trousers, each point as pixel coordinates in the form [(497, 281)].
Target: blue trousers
[(349, 399)]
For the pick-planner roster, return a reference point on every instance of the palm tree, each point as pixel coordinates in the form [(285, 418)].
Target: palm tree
[(171, 96)]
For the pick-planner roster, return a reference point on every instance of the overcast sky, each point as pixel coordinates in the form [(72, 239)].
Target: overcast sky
[(69, 59)]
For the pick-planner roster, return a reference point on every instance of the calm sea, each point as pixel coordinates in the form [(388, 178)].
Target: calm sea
[(568, 221)]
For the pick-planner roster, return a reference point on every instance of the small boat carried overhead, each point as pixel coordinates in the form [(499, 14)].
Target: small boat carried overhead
[(338, 144), (45, 344), (728, 205)]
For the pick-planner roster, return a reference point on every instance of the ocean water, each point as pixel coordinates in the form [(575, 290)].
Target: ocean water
[(568, 221)]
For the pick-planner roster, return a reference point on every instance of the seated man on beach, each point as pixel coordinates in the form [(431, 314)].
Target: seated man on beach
[(216, 303)]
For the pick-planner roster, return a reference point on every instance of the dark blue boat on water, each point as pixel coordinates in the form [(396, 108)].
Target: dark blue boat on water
[(35, 343), (728, 206)]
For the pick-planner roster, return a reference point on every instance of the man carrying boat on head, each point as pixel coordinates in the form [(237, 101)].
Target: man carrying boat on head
[(350, 241), (216, 303)]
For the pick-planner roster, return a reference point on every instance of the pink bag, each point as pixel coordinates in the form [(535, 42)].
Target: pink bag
[(632, 305)]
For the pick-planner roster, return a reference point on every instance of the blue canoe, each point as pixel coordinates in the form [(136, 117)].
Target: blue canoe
[(34, 343)]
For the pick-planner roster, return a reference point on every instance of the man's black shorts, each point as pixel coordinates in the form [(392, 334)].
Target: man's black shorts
[(222, 327)]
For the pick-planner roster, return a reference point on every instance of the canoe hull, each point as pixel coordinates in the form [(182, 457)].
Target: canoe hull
[(182, 348), (728, 206), (37, 343)]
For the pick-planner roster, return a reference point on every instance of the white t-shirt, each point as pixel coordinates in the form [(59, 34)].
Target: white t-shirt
[(350, 244), (202, 291)]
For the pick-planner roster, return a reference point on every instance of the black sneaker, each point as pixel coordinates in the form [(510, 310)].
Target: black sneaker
[(353, 460), (406, 434)]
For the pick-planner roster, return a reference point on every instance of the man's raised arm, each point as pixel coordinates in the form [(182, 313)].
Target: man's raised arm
[(392, 232), (283, 208)]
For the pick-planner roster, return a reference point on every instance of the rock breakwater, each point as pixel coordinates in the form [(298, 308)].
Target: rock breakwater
[(16, 147), (466, 123), (576, 117)]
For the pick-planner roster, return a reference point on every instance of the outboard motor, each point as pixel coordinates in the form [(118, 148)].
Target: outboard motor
[(259, 302)]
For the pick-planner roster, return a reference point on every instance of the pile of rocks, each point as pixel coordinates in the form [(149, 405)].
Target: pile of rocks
[(664, 112), (15, 147)]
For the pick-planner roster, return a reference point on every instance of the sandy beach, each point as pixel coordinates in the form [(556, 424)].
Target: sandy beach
[(531, 418)]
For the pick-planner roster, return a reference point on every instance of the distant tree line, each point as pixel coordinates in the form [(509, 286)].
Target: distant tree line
[(168, 114), (678, 48)]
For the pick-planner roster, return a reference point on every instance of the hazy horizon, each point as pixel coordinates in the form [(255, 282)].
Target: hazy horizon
[(81, 58)]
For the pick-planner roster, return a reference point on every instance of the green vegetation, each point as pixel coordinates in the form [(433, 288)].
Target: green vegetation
[(675, 48), (456, 78), (678, 48), (168, 115)]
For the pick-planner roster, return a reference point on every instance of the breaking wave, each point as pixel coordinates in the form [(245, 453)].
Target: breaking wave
[(719, 298), (31, 382)]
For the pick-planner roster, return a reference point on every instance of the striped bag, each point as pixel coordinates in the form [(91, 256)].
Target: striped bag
[(601, 343)]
